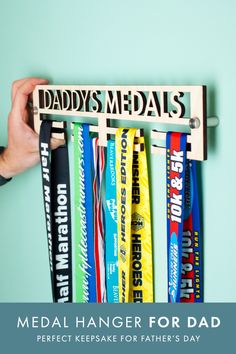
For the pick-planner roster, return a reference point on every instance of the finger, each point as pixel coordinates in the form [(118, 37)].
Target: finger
[(22, 94), (55, 143), (16, 84)]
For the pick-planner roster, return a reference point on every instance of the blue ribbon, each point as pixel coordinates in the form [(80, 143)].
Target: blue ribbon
[(111, 237), (185, 268)]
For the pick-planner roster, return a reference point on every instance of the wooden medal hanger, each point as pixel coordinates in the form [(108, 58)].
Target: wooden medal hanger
[(165, 105)]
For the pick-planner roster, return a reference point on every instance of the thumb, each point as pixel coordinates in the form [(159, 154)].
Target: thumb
[(55, 143)]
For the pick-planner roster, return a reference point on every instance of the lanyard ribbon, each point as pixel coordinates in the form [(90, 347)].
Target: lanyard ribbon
[(111, 239), (99, 163), (184, 239), (56, 193), (84, 232), (134, 222)]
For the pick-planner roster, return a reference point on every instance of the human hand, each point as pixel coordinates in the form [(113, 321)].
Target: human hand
[(22, 151)]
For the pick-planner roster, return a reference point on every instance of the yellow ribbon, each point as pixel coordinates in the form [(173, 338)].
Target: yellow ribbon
[(134, 221)]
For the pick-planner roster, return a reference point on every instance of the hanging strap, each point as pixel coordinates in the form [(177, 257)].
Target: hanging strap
[(111, 239), (84, 234), (192, 257), (124, 158), (99, 163), (56, 193), (141, 277), (133, 215), (183, 224)]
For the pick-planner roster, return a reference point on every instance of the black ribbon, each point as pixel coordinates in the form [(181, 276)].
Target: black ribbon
[(56, 194)]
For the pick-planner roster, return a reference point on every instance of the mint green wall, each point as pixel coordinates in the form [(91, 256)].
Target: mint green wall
[(121, 42)]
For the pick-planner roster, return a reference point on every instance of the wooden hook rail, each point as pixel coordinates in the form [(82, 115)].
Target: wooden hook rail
[(112, 131)]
